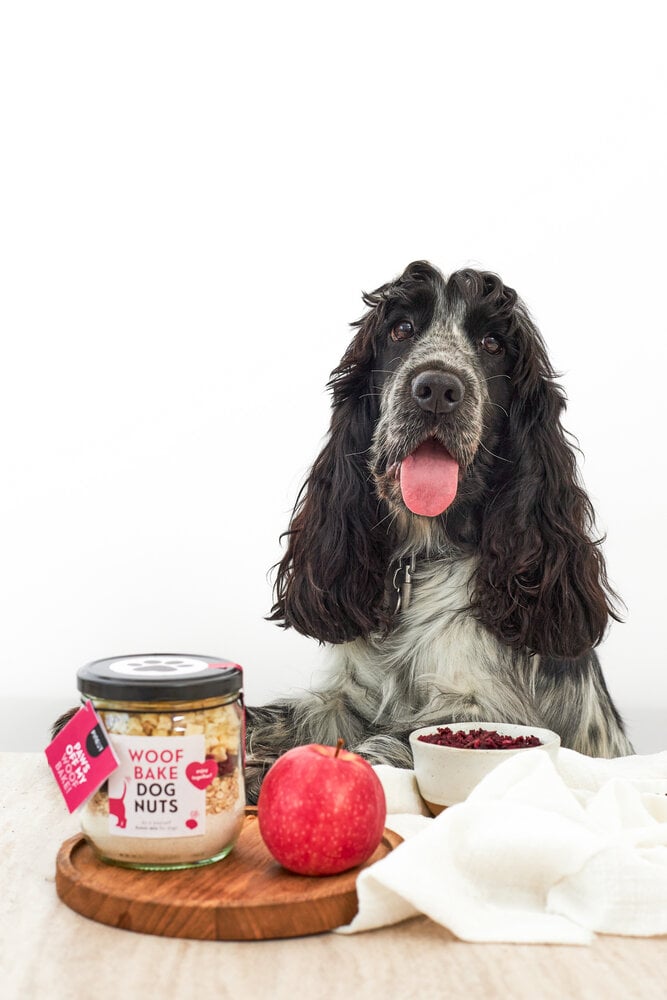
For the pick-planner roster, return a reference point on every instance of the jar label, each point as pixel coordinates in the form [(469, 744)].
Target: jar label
[(159, 788)]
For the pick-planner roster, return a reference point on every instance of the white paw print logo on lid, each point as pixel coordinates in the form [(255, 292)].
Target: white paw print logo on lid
[(157, 666)]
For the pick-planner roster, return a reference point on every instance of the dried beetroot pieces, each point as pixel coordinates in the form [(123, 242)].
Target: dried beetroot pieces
[(478, 739)]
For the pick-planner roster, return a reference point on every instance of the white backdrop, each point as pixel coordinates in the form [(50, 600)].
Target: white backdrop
[(193, 198)]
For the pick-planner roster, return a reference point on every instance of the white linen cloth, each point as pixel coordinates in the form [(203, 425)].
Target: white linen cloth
[(539, 852)]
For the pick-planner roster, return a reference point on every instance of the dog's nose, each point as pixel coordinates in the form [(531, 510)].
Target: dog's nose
[(437, 391)]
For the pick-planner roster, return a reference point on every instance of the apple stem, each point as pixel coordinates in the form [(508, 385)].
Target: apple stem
[(339, 745)]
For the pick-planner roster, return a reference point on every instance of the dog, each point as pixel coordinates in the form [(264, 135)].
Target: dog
[(442, 544)]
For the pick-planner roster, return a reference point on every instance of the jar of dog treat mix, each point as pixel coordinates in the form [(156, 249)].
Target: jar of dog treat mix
[(176, 724)]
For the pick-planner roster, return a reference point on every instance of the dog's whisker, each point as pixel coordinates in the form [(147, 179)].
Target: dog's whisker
[(493, 454), (382, 520)]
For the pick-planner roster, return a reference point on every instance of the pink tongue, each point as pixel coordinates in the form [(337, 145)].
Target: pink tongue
[(429, 478)]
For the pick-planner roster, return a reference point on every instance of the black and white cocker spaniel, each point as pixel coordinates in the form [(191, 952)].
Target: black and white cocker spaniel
[(442, 542)]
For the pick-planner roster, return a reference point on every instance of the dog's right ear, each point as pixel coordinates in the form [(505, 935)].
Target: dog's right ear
[(330, 582)]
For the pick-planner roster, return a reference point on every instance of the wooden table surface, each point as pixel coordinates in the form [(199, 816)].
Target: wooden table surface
[(48, 952)]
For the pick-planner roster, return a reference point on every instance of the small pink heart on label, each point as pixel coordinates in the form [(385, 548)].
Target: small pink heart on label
[(201, 774), (191, 824)]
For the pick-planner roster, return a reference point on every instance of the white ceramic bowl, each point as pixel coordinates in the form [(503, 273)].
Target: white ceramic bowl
[(447, 775)]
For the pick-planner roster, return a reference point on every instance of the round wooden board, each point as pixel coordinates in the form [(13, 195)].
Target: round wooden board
[(245, 897)]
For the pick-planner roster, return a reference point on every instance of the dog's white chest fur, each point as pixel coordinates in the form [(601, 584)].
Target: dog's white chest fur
[(436, 646), (437, 631)]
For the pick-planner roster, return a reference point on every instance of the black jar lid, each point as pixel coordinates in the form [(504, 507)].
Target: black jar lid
[(160, 677)]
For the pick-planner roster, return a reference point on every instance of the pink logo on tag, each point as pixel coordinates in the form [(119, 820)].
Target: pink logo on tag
[(81, 757), (201, 775)]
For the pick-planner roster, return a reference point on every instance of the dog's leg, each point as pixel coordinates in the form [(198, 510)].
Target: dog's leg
[(445, 707), (62, 721), (317, 717), (576, 704), (270, 731)]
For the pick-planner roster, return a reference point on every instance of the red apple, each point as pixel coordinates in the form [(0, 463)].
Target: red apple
[(321, 810)]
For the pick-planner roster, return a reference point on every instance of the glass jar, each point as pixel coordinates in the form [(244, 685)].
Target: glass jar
[(176, 724)]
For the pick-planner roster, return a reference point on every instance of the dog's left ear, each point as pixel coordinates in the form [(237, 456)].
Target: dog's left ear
[(330, 582), (541, 584)]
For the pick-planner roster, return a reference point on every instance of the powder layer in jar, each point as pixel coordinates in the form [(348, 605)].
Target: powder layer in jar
[(178, 798)]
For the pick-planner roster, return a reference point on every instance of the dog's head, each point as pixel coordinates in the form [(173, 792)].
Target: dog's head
[(445, 438), (441, 374)]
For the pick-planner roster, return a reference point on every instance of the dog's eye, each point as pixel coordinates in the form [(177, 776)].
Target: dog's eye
[(402, 331), (492, 345)]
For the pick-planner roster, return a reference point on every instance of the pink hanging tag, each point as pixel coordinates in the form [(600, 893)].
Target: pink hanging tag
[(81, 757)]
